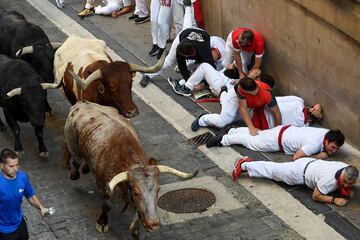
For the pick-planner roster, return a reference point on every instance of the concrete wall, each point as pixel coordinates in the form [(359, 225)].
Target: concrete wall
[(312, 50)]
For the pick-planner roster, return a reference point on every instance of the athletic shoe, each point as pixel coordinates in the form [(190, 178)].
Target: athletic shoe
[(141, 20), (144, 80), (172, 82), (155, 48), (214, 141), (132, 17), (86, 12), (236, 170), (195, 124), (182, 90), (160, 52)]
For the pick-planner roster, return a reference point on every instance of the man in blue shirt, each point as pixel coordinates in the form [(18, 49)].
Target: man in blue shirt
[(14, 184)]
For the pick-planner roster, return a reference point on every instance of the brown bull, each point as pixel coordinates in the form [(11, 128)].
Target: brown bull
[(99, 79), (98, 138)]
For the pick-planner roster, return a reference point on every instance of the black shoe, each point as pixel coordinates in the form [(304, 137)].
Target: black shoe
[(182, 90), (132, 17), (195, 124), (144, 80), (160, 53), (223, 89), (154, 50), (224, 130), (172, 82), (214, 141), (141, 20), (187, 3)]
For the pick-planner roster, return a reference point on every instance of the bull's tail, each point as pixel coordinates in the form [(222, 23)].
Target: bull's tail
[(66, 157)]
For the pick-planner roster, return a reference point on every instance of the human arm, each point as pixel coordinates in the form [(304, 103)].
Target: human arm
[(319, 197), (300, 153), (243, 108), (277, 115), (257, 64), (37, 204), (238, 63), (181, 62)]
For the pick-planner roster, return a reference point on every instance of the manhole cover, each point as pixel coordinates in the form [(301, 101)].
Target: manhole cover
[(200, 139), (187, 200)]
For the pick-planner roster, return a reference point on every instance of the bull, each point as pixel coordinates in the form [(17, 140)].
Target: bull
[(22, 39), (23, 99), (98, 138), (97, 77)]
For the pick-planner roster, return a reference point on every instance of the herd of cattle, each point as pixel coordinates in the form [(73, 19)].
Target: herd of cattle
[(98, 135)]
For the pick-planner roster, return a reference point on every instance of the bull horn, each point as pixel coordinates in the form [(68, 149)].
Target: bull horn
[(14, 92), (83, 84), (56, 45), (136, 68), (167, 169), (121, 177), (25, 50), (50, 85)]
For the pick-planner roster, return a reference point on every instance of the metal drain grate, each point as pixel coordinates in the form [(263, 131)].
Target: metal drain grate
[(187, 200), (200, 139)]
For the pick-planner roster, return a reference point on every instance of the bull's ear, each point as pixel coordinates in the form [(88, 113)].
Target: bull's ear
[(152, 161)]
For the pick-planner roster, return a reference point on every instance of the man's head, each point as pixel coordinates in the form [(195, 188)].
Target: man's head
[(333, 140), (186, 49), (315, 113), (9, 163), (348, 176), (248, 85), (246, 38)]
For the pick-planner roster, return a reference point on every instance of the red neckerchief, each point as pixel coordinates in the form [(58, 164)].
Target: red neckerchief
[(343, 191), (306, 118)]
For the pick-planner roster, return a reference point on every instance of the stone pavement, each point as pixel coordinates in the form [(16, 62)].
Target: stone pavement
[(77, 202)]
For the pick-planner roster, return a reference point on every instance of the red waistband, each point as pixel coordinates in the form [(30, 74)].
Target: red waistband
[(282, 130), (305, 115)]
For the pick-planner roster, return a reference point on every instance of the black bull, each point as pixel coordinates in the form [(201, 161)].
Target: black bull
[(23, 99)]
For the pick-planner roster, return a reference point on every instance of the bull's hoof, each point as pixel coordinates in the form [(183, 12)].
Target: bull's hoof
[(43, 154), (102, 227), (85, 169), (74, 175)]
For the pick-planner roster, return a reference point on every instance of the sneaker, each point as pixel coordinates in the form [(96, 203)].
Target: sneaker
[(141, 20), (160, 53), (154, 50), (236, 170), (214, 141), (144, 80), (132, 17), (172, 82), (182, 90), (60, 3), (86, 12), (195, 124), (177, 69)]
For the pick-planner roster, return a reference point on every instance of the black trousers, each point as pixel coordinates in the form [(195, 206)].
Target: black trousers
[(19, 234)]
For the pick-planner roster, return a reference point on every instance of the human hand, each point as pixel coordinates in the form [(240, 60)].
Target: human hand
[(340, 202), (254, 73), (322, 155), (198, 87), (235, 81), (254, 131), (43, 211)]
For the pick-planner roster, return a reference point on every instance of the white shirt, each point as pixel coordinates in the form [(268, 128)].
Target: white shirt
[(291, 108), (321, 174), (219, 44), (308, 139)]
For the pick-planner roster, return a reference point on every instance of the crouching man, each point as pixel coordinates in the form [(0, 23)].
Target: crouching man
[(322, 176)]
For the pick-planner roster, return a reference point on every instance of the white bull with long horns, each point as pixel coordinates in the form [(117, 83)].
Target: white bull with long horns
[(89, 73), (98, 138)]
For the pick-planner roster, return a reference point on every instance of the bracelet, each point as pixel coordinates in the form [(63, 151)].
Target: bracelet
[(333, 200)]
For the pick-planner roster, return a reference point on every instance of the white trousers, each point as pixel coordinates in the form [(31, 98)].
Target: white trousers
[(219, 44), (265, 141), (179, 11), (160, 18), (289, 172), (141, 9), (170, 59), (230, 52), (111, 6)]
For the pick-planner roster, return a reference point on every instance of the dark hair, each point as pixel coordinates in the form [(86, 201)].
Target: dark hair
[(266, 78), (335, 136), (247, 36), (185, 48), (8, 153), (351, 172), (248, 84)]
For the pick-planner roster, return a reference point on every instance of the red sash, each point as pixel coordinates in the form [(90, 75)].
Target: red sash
[(305, 115), (198, 15), (257, 103), (282, 130)]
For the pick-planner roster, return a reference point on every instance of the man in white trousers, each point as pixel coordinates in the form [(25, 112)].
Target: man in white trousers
[(179, 11), (111, 6), (321, 176), (241, 45), (301, 141), (141, 13), (217, 48)]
